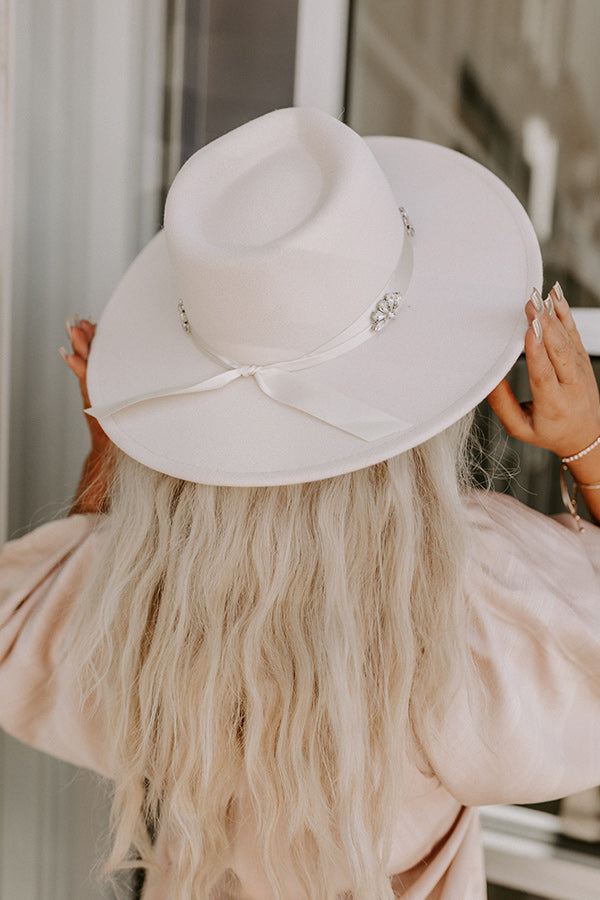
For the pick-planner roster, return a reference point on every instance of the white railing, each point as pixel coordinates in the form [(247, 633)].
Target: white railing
[(523, 851)]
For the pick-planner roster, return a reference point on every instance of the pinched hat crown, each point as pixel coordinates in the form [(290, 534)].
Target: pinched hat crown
[(281, 234)]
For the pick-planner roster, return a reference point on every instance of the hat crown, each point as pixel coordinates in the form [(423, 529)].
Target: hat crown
[(281, 233)]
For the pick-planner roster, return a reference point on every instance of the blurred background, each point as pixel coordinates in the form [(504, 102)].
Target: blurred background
[(516, 86), (100, 104)]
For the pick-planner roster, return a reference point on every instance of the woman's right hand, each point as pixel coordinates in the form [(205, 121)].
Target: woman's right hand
[(81, 334), (93, 490)]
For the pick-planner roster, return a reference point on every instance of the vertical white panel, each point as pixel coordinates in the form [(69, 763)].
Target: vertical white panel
[(85, 153), (321, 48), (87, 187), (6, 136)]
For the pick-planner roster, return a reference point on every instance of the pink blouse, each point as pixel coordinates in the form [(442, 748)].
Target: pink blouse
[(526, 730)]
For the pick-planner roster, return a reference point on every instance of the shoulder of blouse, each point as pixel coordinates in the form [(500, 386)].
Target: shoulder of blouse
[(41, 699)]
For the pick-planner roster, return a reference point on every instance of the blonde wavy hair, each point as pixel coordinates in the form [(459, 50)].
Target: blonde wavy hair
[(290, 639)]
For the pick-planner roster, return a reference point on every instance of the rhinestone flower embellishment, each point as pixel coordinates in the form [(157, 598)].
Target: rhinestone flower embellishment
[(385, 309), (185, 322)]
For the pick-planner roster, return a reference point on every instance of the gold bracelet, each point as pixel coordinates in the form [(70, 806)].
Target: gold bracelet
[(584, 452), (570, 500)]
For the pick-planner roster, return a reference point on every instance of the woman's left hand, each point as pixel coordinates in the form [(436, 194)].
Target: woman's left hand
[(564, 413)]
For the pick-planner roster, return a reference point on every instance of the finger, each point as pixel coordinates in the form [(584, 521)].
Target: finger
[(514, 417), (531, 311), (563, 312), (543, 380), (76, 364), (534, 306), (88, 328), (561, 350), (80, 341)]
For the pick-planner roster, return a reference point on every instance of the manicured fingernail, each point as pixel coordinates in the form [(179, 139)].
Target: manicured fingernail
[(549, 304), (558, 291), (537, 330), (537, 301), (68, 328), (63, 353), (76, 320)]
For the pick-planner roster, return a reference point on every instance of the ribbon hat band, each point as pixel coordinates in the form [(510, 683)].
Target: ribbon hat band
[(290, 383)]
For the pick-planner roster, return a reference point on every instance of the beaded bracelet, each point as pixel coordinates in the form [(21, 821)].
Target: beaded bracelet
[(570, 499), (569, 459)]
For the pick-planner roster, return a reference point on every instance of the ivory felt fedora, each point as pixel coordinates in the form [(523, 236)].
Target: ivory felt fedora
[(316, 302)]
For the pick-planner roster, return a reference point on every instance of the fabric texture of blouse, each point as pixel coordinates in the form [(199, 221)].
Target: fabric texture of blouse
[(527, 729)]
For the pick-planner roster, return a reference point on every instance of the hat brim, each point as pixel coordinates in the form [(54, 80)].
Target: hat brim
[(461, 328)]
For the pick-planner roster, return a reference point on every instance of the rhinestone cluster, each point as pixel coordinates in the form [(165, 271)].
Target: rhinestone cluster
[(385, 309), (408, 225), (185, 322)]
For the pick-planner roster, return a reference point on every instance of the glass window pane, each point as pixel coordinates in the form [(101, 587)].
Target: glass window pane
[(514, 84), (510, 82)]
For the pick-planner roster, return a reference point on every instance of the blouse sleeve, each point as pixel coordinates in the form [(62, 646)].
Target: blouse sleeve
[(41, 701), (527, 729)]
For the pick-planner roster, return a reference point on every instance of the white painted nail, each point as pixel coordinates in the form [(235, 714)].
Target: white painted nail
[(63, 353), (559, 292), (537, 330), (549, 304), (537, 301)]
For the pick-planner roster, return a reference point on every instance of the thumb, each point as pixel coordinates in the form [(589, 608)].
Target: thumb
[(512, 415)]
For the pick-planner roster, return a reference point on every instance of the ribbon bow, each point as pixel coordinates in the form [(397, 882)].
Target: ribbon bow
[(287, 383)]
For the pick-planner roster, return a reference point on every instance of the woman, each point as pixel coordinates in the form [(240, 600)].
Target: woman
[(280, 619)]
